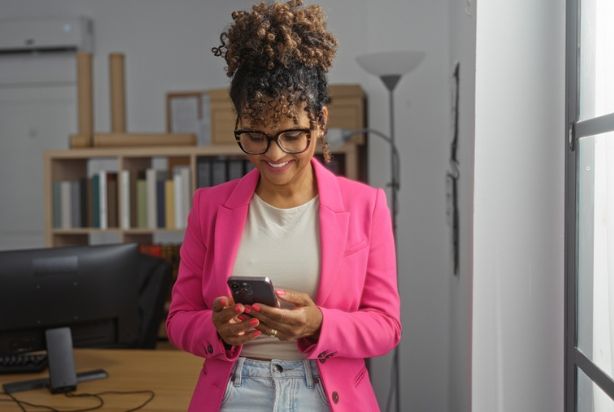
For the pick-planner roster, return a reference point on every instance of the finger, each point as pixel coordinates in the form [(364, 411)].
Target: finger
[(220, 303), (295, 297), (239, 329), (281, 316), (226, 315), (240, 340), (281, 327)]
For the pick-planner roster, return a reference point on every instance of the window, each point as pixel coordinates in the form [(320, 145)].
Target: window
[(590, 207)]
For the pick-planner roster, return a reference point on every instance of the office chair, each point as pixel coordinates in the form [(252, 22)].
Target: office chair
[(155, 282)]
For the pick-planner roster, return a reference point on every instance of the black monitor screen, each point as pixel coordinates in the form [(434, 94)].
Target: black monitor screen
[(91, 289)]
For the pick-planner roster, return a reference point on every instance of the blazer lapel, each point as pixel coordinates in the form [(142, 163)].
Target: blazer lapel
[(333, 230), (230, 221)]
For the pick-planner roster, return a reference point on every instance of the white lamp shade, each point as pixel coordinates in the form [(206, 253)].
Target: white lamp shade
[(390, 63)]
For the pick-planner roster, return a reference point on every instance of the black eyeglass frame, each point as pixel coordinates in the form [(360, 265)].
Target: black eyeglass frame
[(275, 138)]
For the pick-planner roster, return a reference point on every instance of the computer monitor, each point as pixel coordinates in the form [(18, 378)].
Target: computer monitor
[(91, 289)]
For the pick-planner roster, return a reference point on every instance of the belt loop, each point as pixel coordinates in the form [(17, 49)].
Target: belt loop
[(308, 374), (236, 378)]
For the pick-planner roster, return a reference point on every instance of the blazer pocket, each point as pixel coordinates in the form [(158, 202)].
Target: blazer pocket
[(356, 247)]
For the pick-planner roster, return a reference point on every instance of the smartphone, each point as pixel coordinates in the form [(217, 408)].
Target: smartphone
[(253, 289)]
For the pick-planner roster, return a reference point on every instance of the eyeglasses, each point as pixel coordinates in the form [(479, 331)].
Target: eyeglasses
[(291, 141)]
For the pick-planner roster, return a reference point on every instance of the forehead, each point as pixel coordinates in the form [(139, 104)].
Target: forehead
[(272, 120)]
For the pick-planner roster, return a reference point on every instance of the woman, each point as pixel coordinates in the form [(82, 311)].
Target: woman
[(326, 242)]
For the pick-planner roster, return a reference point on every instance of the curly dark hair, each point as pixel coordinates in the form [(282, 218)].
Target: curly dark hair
[(277, 56)]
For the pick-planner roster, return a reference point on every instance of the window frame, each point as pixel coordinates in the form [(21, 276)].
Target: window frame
[(575, 130)]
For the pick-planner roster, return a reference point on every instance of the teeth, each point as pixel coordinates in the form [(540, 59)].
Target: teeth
[(277, 165)]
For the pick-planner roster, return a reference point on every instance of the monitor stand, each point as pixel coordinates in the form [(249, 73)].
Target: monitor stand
[(62, 376)]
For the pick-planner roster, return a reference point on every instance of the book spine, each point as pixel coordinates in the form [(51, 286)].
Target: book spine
[(204, 172), (96, 200), (218, 171), (112, 200), (83, 200), (102, 200), (134, 176), (152, 212), (66, 212), (160, 203), (141, 201), (57, 205), (186, 192), (179, 221), (75, 204), (124, 199), (235, 168), (169, 204)]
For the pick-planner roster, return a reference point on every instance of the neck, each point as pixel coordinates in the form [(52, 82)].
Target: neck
[(300, 191)]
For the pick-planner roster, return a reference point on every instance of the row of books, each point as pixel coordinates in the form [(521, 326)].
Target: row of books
[(211, 171), (215, 170), (147, 199)]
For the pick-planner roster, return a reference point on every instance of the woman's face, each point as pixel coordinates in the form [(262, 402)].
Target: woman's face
[(278, 169)]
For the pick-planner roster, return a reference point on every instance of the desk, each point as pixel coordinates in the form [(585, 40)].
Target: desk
[(171, 374)]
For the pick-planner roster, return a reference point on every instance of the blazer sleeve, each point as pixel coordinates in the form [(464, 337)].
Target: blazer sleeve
[(375, 328), (189, 323)]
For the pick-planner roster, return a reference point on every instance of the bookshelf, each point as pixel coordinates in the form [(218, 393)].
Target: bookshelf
[(72, 165)]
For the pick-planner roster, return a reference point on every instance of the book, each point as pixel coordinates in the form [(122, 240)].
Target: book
[(235, 168), (186, 192), (102, 199), (57, 205), (65, 204), (152, 210), (203, 172), (160, 198), (124, 199), (178, 189), (96, 200), (112, 200), (169, 205), (84, 184), (141, 201), (218, 170), (133, 205), (75, 204)]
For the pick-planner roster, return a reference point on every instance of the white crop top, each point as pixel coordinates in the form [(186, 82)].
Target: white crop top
[(283, 244)]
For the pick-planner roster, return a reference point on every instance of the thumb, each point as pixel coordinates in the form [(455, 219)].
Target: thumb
[(292, 296)]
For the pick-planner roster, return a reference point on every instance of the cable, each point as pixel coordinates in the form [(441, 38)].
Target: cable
[(98, 396)]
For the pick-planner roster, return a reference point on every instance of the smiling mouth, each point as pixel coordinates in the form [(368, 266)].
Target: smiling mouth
[(278, 165)]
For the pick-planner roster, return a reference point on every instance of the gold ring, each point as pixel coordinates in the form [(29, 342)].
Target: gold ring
[(274, 332)]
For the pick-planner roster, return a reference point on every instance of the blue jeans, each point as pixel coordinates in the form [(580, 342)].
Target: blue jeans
[(274, 386)]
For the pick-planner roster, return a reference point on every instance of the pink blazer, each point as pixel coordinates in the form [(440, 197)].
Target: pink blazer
[(357, 292)]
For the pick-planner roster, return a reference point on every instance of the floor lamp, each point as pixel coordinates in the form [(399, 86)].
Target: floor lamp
[(390, 67)]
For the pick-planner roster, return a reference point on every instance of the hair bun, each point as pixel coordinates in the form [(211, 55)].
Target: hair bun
[(277, 34)]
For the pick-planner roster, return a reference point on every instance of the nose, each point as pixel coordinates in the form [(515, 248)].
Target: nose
[(274, 152)]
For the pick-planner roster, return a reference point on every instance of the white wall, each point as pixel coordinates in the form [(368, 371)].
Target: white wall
[(167, 46), (518, 221), (462, 50)]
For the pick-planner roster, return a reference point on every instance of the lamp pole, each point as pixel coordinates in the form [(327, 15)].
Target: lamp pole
[(390, 67)]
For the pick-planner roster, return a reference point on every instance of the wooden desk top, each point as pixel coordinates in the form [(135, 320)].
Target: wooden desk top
[(171, 374)]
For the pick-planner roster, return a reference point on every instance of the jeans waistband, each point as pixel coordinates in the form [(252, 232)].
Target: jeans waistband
[(276, 368)]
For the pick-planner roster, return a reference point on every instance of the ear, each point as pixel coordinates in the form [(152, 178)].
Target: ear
[(323, 121)]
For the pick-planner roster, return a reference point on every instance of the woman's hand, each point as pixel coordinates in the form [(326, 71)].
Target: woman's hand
[(302, 321), (233, 327)]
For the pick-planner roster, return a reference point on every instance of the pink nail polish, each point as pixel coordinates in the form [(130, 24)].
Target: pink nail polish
[(256, 334), (280, 292), (238, 308), (253, 322), (248, 309), (256, 307)]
